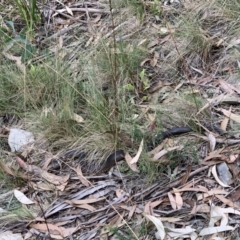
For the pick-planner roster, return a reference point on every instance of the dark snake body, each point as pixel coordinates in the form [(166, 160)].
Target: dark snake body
[(119, 155), (111, 161)]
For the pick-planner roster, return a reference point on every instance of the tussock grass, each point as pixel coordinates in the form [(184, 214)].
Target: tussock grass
[(48, 94)]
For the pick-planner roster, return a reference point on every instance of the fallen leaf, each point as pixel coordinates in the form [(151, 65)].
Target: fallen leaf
[(8, 235), (186, 175), (84, 201), (69, 10), (144, 61), (153, 43), (177, 233), (164, 151), (166, 38), (170, 219), (83, 180), (212, 230), (22, 198), (212, 141), (133, 166), (210, 193), (179, 200), (236, 195), (232, 158), (156, 203), (216, 215), (19, 138), (77, 118), (172, 201), (225, 121), (232, 116), (153, 61), (228, 202), (160, 228), (135, 159), (148, 209), (226, 86), (214, 172), (86, 206)]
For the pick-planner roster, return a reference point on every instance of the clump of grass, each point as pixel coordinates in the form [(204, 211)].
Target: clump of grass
[(29, 12)]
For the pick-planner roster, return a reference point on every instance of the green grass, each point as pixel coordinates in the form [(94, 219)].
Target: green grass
[(47, 95)]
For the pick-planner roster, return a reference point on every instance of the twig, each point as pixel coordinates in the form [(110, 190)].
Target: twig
[(91, 10), (218, 140), (176, 183), (61, 32)]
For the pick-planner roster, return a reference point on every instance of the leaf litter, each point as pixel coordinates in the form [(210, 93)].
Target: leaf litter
[(190, 205)]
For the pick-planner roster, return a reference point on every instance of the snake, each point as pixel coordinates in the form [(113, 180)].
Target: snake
[(110, 162), (119, 155)]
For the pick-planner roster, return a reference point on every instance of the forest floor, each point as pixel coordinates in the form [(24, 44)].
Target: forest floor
[(84, 81)]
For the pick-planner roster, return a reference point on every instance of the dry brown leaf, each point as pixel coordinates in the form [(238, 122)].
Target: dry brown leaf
[(42, 227), (118, 192), (156, 203), (189, 185), (236, 195), (215, 100), (170, 219), (209, 181), (84, 201), (135, 159), (97, 18), (6, 169), (232, 116), (194, 209), (144, 61), (132, 211), (165, 39), (178, 86), (156, 87), (148, 209), (225, 121), (163, 152), (153, 61), (232, 158), (172, 201), (226, 86), (203, 208), (83, 180), (190, 190), (18, 61), (186, 175), (214, 154), (158, 148), (228, 202), (129, 208), (86, 206), (59, 181), (212, 141), (211, 193), (133, 166), (43, 186), (69, 10), (179, 200), (153, 43)]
